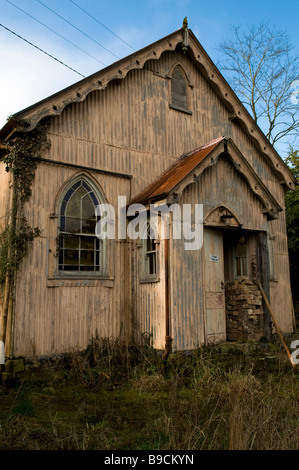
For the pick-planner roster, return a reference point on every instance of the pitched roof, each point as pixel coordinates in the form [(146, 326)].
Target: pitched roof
[(55, 104)]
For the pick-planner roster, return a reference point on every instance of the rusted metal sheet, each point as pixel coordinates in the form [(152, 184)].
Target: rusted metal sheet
[(181, 168)]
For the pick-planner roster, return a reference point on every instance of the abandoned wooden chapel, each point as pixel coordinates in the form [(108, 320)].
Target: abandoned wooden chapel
[(161, 126)]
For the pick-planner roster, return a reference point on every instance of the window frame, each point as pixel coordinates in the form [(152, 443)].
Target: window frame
[(172, 104), (100, 246), (236, 275), (146, 276)]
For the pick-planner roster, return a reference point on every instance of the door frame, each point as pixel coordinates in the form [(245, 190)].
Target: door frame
[(222, 335)]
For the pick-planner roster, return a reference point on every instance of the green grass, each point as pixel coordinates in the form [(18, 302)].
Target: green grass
[(114, 398)]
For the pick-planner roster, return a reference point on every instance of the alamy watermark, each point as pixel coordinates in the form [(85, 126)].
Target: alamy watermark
[(185, 221)]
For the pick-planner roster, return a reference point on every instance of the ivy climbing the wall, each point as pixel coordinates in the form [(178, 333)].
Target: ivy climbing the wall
[(23, 150)]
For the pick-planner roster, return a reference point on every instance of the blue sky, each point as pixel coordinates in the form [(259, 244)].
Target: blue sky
[(27, 75)]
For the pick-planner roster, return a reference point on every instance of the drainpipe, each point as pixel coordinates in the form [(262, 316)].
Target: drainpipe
[(168, 339)]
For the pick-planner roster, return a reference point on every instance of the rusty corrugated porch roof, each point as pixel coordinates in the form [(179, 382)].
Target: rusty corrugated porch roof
[(162, 186), (170, 184)]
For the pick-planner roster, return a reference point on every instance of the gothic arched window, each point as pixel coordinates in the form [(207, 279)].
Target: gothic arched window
[(80, 251), (179, 90)]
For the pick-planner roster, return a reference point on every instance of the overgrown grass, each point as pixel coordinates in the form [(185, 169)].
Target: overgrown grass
[(117, 397)]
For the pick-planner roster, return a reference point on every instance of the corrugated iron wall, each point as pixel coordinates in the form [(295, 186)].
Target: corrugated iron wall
[(128, 128), (53, 315), (149, 299)]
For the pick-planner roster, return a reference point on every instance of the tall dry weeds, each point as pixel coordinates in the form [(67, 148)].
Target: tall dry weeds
[(115, 396)]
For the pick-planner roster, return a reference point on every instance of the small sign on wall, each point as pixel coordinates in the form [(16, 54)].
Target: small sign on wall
[(214, 258)]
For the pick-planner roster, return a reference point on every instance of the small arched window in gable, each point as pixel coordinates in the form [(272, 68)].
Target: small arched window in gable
[(179, 90), (80, 251)]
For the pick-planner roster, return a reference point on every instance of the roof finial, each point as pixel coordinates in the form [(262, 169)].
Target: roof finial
[(185, 35)]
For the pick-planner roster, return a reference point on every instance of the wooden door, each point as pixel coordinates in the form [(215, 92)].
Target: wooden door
[(214, 286)]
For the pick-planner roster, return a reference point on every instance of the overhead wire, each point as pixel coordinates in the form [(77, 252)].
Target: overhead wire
[(78, 29), (99, 22), (55, 32), (41, 50)]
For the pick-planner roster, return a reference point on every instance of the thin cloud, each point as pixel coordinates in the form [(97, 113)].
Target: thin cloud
[(28, 75)]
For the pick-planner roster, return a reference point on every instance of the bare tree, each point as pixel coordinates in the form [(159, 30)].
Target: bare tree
[(259, 66)]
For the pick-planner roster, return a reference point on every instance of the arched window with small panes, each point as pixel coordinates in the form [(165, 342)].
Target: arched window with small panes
[(81, 252)]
